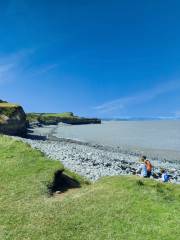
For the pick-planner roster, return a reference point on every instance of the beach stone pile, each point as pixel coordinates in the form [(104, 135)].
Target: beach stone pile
[(87, 161), (94, 162)]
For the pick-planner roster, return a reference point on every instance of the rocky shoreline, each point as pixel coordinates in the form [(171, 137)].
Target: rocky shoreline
[(90, 160)]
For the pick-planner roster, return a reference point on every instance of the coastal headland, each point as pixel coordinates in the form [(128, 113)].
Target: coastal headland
[(55, 118)]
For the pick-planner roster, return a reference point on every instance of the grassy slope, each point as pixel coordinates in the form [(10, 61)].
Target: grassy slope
[(8, 108), (65, 114), (35, 116), (66, 117), (113, 208)]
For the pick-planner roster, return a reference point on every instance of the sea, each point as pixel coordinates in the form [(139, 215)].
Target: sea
[(156, 138)]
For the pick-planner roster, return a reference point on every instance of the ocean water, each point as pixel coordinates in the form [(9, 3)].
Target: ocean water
[(158, 136), (147, 134)]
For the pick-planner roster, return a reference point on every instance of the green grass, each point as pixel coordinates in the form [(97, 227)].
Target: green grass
[(54, 118), (31, 117), (113, 208), (65, 114), (8, 105), (7, 109)]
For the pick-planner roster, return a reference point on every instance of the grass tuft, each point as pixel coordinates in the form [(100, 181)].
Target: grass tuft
[(140, 183)]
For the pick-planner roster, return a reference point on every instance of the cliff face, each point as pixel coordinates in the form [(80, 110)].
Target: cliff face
[(55, 118), (12, 119), (70, 120)]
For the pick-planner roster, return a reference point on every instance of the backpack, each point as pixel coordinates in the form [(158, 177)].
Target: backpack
[(148, 165)]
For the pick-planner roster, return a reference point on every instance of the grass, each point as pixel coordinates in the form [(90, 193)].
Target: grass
[(8, 105), (112, 208), (54, 118), (31, 117), (65, 114), (7, 109)]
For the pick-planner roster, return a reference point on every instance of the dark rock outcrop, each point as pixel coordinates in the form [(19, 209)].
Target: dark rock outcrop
[(12, 119), (72, 121), (1, 101), (55, 118)]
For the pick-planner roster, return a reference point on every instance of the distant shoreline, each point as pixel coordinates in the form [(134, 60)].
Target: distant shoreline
[(49, 132), (141, 119)]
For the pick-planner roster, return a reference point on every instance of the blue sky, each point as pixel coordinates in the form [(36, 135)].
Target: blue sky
[(95, 58)]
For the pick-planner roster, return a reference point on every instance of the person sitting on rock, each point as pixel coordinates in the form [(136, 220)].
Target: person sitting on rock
[(148, 166), (142, 168), (165, 176)]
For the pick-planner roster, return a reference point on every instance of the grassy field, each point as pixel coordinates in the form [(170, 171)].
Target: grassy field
[(35, 116), (65, 114), (8, 105), (112, 208), (54, 118)]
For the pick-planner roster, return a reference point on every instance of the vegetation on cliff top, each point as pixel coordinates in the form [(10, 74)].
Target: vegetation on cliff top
[(54, 118), (8, 108), (112, 208), (31, 117), (12, 119)]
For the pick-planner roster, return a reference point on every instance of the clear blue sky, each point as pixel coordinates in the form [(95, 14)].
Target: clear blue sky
[(93, 57)]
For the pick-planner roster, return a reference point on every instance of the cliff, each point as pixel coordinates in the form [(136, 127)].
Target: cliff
[(55, 118), (12, 119)]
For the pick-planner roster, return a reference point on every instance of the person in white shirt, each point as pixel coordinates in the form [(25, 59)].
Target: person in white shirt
[(142, 168), (165, 176)]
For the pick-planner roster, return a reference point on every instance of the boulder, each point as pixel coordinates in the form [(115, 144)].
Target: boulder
[(12, 119)]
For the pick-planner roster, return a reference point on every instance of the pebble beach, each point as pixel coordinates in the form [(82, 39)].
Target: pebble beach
[(91, 160)]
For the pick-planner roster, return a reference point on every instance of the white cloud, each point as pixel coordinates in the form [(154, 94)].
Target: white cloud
[(121, 103), (18, 65), (5, 72), (45, 69), (12, 65)]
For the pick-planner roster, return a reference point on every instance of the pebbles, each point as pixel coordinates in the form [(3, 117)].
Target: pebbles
[(93, 161), (84, 160), (90, 161)]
